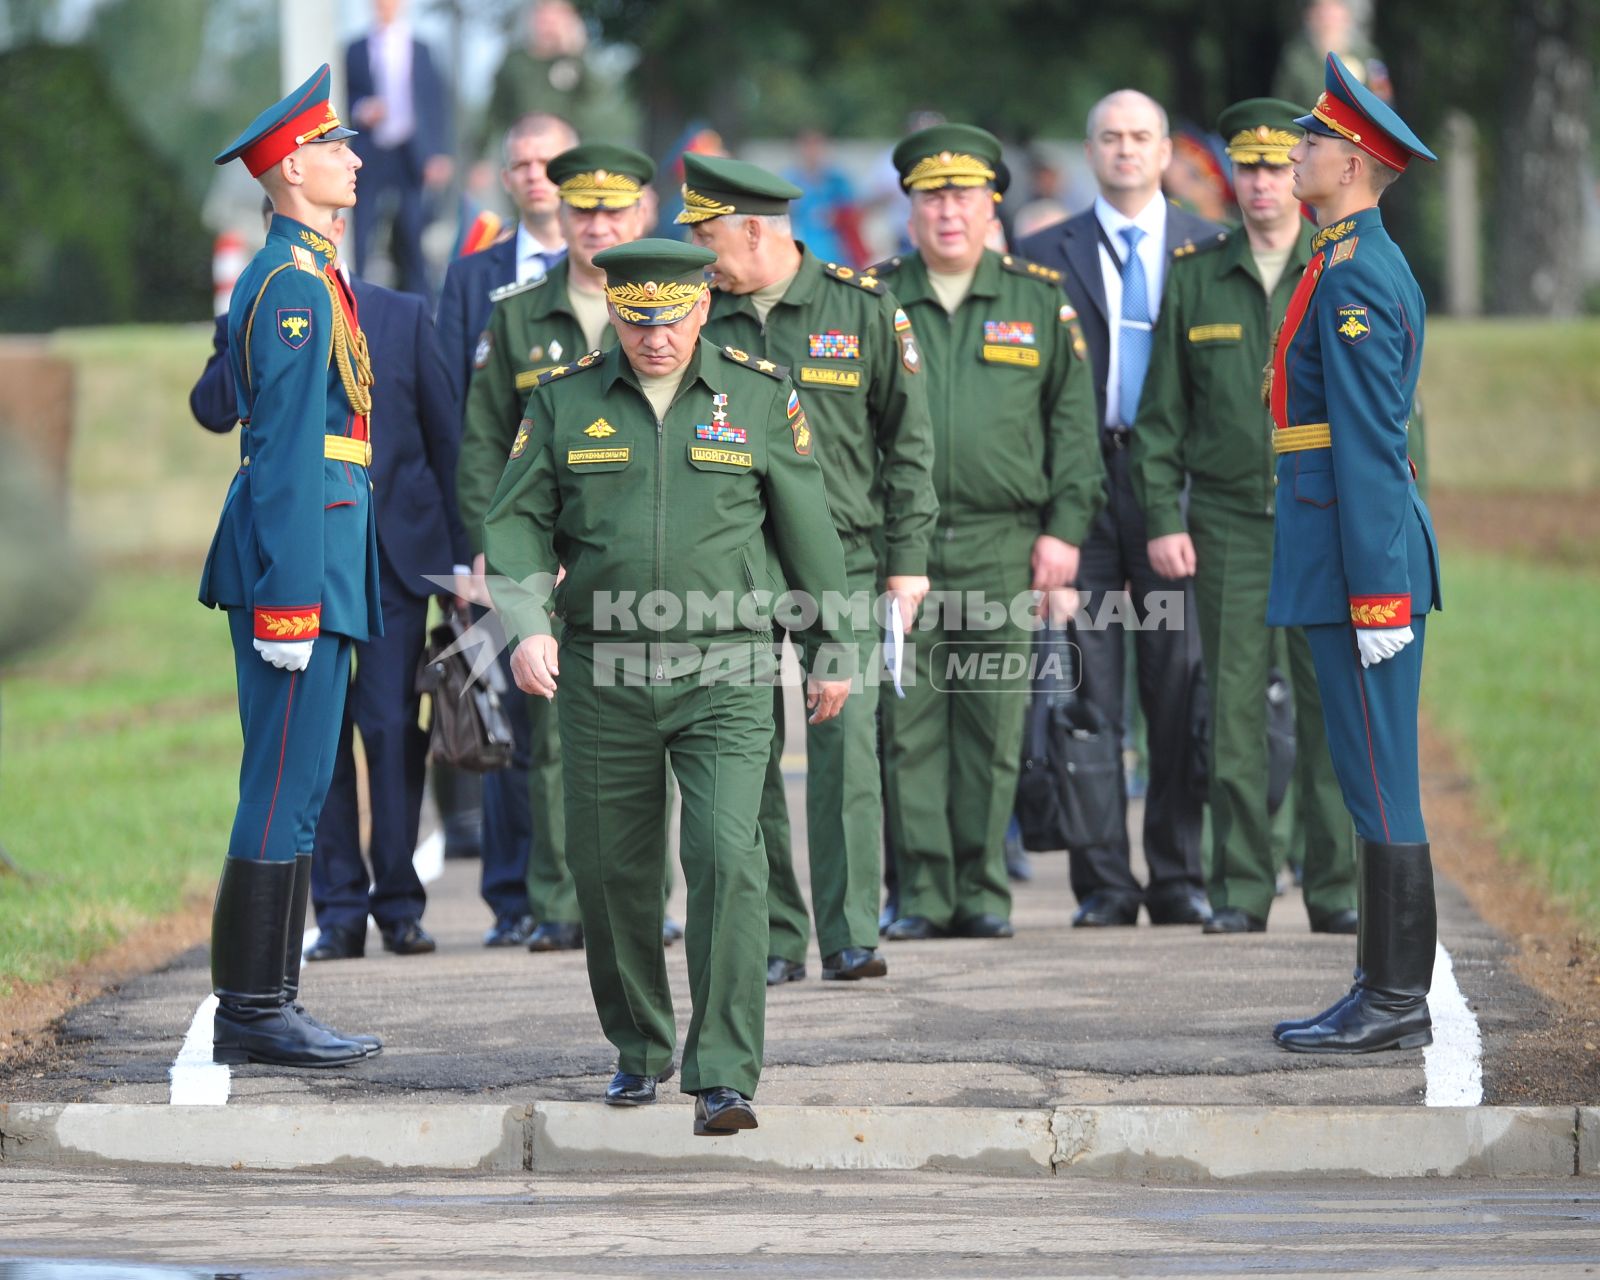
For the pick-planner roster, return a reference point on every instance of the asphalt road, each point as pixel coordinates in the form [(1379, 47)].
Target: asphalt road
[(881, 1225)]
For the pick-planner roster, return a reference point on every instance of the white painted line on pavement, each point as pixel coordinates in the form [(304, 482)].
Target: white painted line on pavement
[(198, 1081), (1453, 1063)]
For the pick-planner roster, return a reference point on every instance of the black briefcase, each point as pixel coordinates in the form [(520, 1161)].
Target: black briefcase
[(1069, 792), (470, 728)]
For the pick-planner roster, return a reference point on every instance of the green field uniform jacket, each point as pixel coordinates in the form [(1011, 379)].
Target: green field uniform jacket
[(532, 330), (850, 352), (1200, 412), (1011, 396), (722, 496)]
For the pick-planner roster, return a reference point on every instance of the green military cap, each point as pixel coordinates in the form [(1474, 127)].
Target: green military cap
[(654, 281), (1260, 130), (951, 155), (594, 175), (714, 186)]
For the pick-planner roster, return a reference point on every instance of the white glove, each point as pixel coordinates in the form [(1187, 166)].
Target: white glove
[(291, 655), (1378, 643)]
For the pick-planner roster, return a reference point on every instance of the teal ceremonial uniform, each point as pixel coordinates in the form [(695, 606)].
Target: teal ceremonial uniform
[(294, 563), (672, 532), (1355, 553), (1203, 431), (853, 357)]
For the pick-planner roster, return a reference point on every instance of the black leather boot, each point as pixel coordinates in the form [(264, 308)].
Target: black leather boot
[(293, 948), (249, 929), (1300, 1024), (1388, 1008)]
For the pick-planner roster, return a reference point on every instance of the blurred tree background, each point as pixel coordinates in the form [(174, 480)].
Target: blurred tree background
[(151, 86)]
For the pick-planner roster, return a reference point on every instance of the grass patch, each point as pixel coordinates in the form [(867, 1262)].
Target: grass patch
[(1519, 702), (118, 772), (1512, 404)]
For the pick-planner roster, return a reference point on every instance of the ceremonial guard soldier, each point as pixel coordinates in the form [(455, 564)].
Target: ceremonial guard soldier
[(672, 480), (536, 326), (1018, 478), (294, 563), (1203, 430), (851, 352), (1354, 559)]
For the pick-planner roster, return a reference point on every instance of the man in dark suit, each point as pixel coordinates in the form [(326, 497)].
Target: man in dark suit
[(419, 536), (464, 309), (1113, 261), (398, 99), (535, 246)]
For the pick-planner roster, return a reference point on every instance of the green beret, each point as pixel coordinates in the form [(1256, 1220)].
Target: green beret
[(597, 176), (951, 155), (1260, 130), (714, 186), (654, 281)]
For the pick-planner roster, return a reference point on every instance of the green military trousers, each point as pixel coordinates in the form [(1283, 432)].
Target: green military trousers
[(615, 735), (551, 897), (954, 742), (1233, 552), (844, 807)]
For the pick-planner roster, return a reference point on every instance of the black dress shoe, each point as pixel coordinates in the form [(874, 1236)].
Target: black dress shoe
[(1177, 904), (911, 929), (889, 914), (556, 937), (1102, 909), (509, 931), (780, 971), (1300, 1024), (984, 925), (407, 938), (850, 964), (339, 943), (1346, 921), (722, 1111), (629, 1090), (671, 931), (1233, 920)]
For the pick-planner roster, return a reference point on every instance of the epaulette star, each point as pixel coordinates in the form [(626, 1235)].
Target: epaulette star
[(590, 361), (760, 366), (866, 280), (1022, 267)]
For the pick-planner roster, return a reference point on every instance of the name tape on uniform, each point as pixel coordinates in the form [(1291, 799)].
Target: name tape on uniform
[(727, 457), (830, 377), (588, 457), (1215, 333), (1026, 357)]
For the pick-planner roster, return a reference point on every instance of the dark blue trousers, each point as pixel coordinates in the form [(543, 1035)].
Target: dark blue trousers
[(390, 192), (383, 704), (507, 818), (1371, 715), (291, 728)]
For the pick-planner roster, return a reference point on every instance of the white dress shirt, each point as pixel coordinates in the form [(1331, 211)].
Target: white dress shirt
[(530, 265), (389, 49), (1152, 220)]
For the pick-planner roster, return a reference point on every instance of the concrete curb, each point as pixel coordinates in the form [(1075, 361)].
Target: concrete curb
[(1177, 1143)]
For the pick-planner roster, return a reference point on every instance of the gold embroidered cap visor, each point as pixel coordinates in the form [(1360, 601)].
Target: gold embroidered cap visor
[(653, 282), (951, 155), (1260, 131), (598, 176), (716, 186)]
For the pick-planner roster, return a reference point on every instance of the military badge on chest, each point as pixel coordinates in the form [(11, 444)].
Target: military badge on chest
[(1010, 342), (834, 345), (910, 357), (718, 428)]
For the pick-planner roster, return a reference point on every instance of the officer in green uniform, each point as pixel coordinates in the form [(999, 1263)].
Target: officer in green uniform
[(671, 479), (534, 327), (850, 349), (1201, 423), (1018, 477)]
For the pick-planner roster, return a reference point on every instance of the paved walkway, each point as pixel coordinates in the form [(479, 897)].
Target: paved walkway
[(1054, 1016)]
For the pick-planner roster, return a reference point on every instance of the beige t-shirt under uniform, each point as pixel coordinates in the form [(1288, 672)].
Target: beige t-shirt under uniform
[(590, 308), (951, 290), (1271, 264), (765, 299), (660, 390)]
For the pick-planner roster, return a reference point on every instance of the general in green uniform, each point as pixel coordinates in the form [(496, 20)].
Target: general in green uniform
[(1202, 423), (535, 327), (671, 479), (1018, 475), (851, 353)]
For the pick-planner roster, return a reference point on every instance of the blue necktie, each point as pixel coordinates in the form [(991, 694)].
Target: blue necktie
[(1133, 350)]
